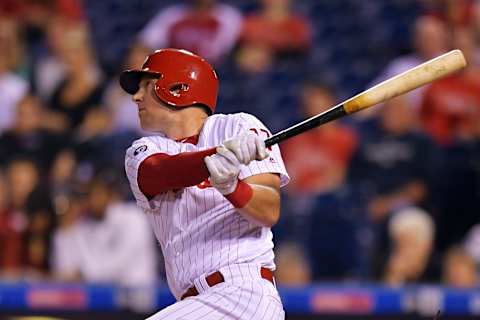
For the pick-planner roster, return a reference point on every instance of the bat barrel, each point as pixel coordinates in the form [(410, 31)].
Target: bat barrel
[(411, 79)]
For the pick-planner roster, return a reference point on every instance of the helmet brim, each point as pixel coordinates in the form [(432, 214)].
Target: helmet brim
[(130, 80)]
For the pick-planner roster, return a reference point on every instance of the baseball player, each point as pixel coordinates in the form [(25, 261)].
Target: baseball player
[(210, 189)]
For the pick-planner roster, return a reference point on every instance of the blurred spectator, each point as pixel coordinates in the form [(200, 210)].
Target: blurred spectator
[(457, 13), (11, 228), (317, 160), (37, 12), (458, 189), (49, 69), (63, 168), (393, 167), (12, 86), (293, 268), (430, 39), (451, 115), (64, 180), (338, 239), (110, 241), (22, 176), (27, 137), (35, 15), (451, 106), (461, 13), (107, 130), (273, 31), (32, 16), (271, 96), (39, 232), (393, 163), (81, 88), (205, 27), (48, 43), (96, 146), (95, 124), (70, 8), (30, 202), (459, 269), (472, 243), (411, 231)]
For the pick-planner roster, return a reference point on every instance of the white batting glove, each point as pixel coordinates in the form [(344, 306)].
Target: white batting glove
[(224, 168), (247, 146)]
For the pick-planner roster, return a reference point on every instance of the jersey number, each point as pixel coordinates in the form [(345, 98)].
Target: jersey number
[(262, 131)]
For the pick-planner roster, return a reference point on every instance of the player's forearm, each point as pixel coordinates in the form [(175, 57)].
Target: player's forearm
[(161, 172), (263, 207)]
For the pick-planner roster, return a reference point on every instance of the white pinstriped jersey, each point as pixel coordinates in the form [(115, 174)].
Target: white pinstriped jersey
[(198, 229)]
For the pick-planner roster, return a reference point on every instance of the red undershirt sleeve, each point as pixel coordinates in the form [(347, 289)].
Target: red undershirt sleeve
[(161, 172)]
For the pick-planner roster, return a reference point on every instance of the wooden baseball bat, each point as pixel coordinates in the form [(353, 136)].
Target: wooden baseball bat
[(413, 78)]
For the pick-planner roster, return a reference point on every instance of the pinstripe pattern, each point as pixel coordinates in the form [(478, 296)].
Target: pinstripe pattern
[(198, 229), (250, 298)]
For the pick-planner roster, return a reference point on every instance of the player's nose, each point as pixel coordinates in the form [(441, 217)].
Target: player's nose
[(138, 96)]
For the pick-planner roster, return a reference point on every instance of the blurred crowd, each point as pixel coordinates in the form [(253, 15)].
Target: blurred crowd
[(389, 195)]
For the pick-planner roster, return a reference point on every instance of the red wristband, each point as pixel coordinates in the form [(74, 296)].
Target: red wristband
[(241, 196)]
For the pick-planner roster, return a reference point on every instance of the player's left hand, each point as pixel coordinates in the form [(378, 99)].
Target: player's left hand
[(224, 168), (247, 146)]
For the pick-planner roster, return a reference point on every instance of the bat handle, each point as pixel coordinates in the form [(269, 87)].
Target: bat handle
[(276, 138)]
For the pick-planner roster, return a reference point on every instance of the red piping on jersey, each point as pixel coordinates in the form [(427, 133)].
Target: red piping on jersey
[(161, 172)]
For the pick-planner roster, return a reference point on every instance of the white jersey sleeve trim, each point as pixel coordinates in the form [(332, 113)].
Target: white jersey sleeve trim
[(139, 151)]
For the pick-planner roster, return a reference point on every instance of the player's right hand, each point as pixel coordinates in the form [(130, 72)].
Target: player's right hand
[(224, 168), (247, 146)]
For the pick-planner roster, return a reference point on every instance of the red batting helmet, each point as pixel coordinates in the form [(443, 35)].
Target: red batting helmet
[(184, 78)]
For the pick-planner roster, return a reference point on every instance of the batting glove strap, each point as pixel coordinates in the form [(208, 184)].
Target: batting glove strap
[(241, 195)]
